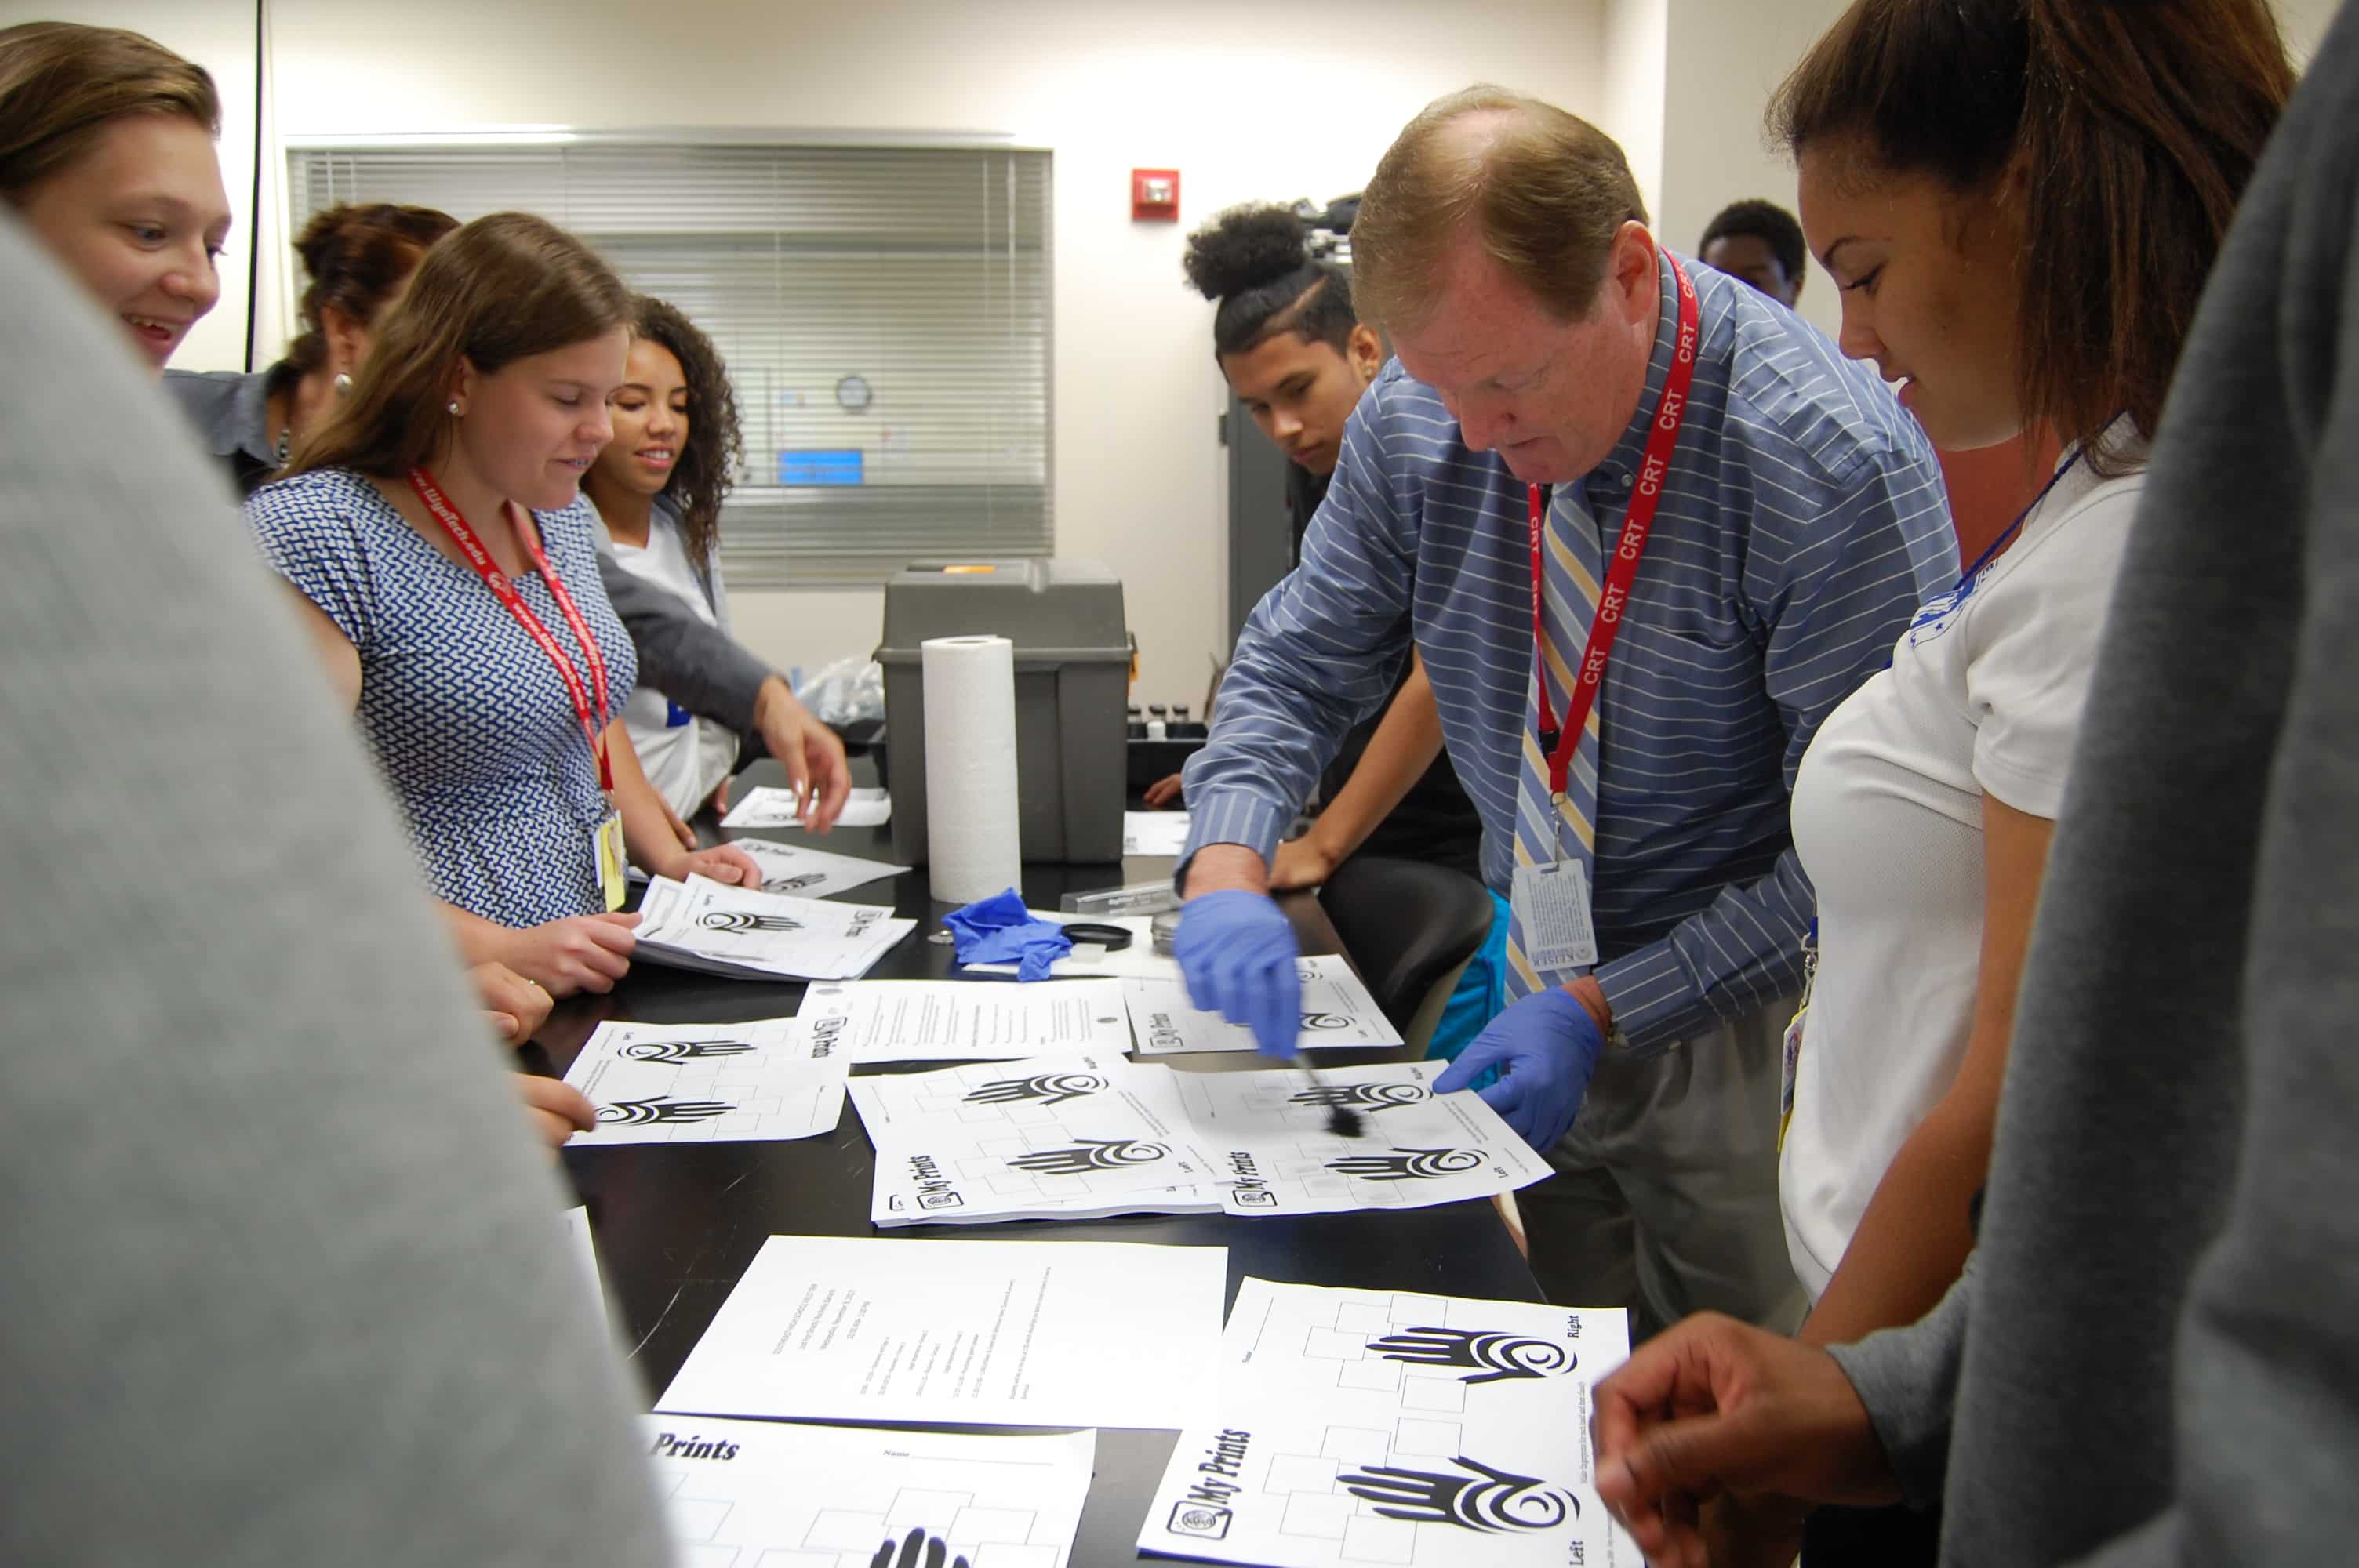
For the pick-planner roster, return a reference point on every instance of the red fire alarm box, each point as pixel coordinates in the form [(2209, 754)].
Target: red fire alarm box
[(1155, 193)]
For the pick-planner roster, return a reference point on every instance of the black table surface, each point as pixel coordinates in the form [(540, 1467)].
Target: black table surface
[(676, 1224)]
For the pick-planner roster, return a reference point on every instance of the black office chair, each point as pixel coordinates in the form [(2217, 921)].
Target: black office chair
[(1410, 928)]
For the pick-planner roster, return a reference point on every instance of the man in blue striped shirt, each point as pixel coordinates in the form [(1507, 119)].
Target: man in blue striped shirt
[(1503, 246)]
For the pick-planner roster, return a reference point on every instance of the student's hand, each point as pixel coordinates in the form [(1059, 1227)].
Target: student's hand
[(1161, 793), (584, 953), (556, 1109), (1714, 1407), (1303, 862), (515, 1006), (679, 829), (809, 751), (1544, 1047), (722, 863), (721, 798), (1763, 1532), (1238, 954)]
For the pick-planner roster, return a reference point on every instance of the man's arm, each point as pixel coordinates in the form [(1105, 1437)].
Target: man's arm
[(1832, 592), (704, 670), (1320, 653)]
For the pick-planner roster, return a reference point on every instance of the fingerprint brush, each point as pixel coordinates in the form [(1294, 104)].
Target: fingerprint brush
[(1342, 1119)]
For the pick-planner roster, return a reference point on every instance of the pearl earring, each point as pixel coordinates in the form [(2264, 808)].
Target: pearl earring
[(454, 408), (344, 384)]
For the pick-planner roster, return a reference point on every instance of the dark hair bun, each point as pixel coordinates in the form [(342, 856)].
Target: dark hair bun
[(1244, 248), (322, 238)]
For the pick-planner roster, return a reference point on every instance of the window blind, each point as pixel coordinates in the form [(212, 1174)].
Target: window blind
[(917, 275)]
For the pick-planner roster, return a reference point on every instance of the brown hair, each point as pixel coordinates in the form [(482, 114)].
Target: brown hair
[(60, 81), (2122, 131), (1546, 192), (499, 289), (355, 256), (708, 462)]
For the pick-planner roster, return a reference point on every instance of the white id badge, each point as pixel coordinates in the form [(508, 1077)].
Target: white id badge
[(1551, 903)]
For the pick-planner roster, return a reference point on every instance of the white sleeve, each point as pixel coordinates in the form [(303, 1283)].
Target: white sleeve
[(2032, 646)]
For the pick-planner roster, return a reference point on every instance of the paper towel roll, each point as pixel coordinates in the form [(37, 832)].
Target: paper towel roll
[(971, 847)]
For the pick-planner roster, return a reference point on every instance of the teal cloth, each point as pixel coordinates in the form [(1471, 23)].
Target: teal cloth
[(1480, 992)]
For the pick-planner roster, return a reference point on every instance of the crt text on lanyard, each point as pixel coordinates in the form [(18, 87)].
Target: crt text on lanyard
[(1662, 439), (431, 496)]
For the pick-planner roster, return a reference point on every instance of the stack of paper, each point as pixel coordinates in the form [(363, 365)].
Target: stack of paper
[(1359, 1427), (811, 873), (1072, 1136), (1154, 832), (765, 805), (983, 1332), (739, 1493), (1079, 1136), (748, 934), (1337, 1011), (709, 1083), (962, 1021)]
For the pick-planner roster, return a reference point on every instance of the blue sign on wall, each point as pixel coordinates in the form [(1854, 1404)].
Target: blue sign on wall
[(847, 466)]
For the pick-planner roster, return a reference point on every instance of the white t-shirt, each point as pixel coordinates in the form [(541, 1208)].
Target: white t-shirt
[(1983, 696), (685, 757)]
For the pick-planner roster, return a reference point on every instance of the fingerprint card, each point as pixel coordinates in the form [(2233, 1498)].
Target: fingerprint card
[(1368, 1427), (709, 1083)]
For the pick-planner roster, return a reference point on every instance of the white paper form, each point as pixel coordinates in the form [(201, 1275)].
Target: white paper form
[(709, 1083), (1266, 1135), (966, 1021), (744, 932), (1364, 1428), (811, 873), (1154, 832), (1337, 1012), (1042, 1137), (748, 1493), (986, 1333), (767, 805), (1089, 960)]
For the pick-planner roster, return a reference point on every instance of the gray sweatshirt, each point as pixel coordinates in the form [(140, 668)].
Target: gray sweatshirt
[(2154, 1358), (280, 1262)]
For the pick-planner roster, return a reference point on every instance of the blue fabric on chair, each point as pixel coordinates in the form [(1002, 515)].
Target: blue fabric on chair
[(1480, 992)]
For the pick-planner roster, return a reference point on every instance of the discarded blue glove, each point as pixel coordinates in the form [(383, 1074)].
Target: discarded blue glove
[(1238, 952), (1544, 1047), (1000, 930)]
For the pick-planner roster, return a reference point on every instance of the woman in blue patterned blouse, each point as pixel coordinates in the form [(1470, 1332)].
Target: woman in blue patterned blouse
[(434, 532)]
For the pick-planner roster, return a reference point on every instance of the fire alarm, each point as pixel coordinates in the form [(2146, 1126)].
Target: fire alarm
[(1155, 193)]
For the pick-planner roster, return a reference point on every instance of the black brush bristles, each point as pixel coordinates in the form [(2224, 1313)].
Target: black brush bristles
[(1345, 1122)]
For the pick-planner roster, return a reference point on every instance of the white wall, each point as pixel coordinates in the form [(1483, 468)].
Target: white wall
[(1247, 101), (1635, 35)]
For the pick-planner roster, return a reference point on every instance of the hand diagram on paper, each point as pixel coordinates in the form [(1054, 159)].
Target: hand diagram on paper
[(682, 1049), (1484, 1500), (1488, 1357), (1090, 1154), (1049, 1088), (641, 1112), (1361, 1096), (746, 920), (1408, 1164), (920, 1551)]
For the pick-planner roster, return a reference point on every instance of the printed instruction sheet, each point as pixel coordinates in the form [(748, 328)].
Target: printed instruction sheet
[(767, 805), (1337, 1012), (1358, 1427), (811, 873), (745, 1494), (1154, 832), (966, 1021), (980, 1333), (1045, 1137), (743, 931), (1267, 1136), (708, 1083)]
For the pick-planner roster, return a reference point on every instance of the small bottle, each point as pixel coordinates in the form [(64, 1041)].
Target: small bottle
[(1156, 729)]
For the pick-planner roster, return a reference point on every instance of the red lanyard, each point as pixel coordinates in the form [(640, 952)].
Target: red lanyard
[(431, 495), (1662, 436)]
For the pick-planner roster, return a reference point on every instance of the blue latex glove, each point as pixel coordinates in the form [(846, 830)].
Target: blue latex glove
[(1544, 1047), (1000, 930), (1238, 953)]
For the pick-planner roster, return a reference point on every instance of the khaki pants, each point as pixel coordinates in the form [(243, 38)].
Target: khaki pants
[(1665, 1199)]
